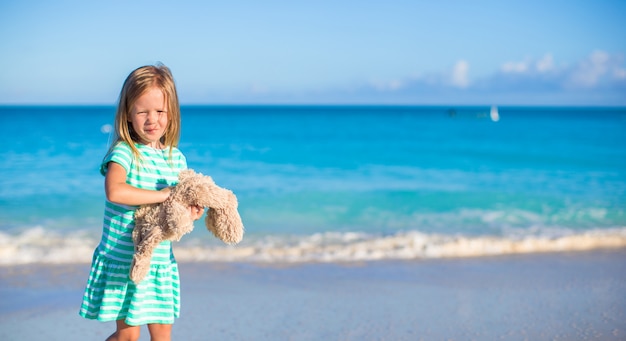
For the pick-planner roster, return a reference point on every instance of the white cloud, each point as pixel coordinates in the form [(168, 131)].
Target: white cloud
[(599, 69), (600, 77), (542, 65), (514, 67), (456, 77), (460, 73), (589, 72), (619, 74), (545, 64), (391, 85)]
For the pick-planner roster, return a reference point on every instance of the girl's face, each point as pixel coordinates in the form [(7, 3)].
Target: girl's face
[(148, 115)]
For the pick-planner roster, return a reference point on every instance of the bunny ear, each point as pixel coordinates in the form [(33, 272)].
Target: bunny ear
[(225, 224)]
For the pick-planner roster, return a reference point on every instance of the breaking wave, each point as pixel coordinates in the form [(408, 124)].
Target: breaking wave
[(37, 245)]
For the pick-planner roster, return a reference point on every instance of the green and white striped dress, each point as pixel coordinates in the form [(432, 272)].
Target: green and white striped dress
[(110, 294)]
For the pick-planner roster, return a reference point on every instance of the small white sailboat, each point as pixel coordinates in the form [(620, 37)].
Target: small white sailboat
[(493, 114)]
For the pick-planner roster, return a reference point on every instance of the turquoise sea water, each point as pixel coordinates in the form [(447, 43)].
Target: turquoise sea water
[(335, 183)]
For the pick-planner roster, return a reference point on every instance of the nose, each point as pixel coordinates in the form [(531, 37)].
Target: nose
[(152, 116)]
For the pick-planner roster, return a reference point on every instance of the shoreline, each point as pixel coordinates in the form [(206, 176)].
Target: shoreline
[(37, 245), (567, 295)]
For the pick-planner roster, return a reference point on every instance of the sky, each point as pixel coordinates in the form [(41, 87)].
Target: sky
[(482, 52)]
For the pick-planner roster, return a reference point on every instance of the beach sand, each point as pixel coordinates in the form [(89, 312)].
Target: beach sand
[(556, 296)]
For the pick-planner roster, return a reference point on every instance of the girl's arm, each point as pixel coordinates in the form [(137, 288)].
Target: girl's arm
[(119, 192)]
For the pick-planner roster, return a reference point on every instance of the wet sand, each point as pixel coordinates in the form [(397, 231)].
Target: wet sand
[(554, 296)]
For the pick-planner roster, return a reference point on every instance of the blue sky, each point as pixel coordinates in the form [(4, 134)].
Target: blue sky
[(319, 52)]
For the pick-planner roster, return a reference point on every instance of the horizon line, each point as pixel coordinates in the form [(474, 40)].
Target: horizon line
[(450, 106)]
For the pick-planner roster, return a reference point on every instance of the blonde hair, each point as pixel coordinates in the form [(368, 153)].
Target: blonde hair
[(136, 84)]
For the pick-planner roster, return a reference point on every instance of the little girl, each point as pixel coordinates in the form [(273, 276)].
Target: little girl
[(141, 164)]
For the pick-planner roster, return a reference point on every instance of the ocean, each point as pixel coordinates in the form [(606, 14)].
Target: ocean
[(336, 183)]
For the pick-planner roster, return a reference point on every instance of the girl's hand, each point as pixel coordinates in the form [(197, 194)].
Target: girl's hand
[(165, 192), (196, 211)]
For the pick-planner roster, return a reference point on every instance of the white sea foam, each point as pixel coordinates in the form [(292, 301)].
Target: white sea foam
[(37, 245)]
